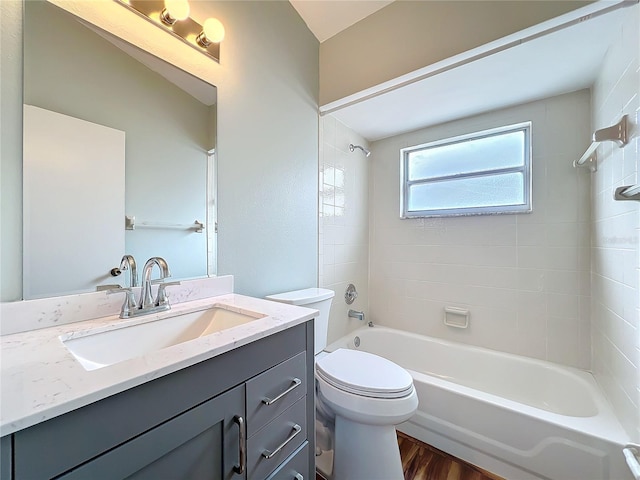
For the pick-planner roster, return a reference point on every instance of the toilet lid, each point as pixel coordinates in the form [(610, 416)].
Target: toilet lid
[(365, 374)]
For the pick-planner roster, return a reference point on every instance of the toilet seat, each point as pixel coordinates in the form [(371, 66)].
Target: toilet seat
[(364, 374)]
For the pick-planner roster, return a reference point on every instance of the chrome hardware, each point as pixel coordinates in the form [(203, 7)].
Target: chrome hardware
[(129, 263), (631, 454), (298, 476), (270, 401), (267, 454), (161, 297), (629, 192), (110, 286), (356, 314), (350, 294), (589, 159), (356, 341), (242, 446), (617, 133), (145, 294), (146, 304), (129, 306), (352, 148), (130, 223)]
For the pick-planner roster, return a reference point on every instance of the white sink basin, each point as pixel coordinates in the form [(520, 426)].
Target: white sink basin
[(100, 348)]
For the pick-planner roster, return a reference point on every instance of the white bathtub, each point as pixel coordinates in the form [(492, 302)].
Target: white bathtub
[(514, 416)]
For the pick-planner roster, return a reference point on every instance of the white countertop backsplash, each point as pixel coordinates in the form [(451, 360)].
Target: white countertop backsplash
[(40, 379)]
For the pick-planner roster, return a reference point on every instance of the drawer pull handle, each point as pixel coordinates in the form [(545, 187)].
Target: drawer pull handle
[(242, 446), (267, 454), (269, 401), (298, 477)]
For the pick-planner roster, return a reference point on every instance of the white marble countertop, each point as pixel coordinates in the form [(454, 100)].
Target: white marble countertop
[(40, 379)]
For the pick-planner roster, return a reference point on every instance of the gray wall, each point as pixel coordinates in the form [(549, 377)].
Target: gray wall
[(11, 150), (405, 36), (267, 148)]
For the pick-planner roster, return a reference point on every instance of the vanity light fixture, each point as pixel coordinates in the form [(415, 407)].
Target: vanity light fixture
[(212, 32), (173, 11), (173, 17)]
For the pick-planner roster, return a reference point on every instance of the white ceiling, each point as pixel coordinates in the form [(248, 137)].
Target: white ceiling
[(546, 65), (325, 18)]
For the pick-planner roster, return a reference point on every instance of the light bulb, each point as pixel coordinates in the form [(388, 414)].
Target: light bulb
[(174, 10), (212, 32)]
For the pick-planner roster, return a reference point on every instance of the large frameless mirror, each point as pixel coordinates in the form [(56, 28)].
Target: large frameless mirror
[(119, 158)]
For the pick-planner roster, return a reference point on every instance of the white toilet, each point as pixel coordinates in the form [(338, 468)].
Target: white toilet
[(360, 398)]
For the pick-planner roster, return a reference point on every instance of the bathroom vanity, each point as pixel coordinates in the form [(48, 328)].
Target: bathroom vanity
[(236, 405)]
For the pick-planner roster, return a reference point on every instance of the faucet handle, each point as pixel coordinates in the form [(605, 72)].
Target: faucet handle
[(111, 289), (129, 302), (162, 298), (111, 286)]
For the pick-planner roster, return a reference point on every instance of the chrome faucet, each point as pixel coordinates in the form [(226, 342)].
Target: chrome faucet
[(356, 314), (129, 263), (146, 303)]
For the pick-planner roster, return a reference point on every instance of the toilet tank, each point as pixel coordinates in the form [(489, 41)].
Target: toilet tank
[(316, 298)]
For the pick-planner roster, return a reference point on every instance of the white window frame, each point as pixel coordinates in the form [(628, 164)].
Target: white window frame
[(525, 169)]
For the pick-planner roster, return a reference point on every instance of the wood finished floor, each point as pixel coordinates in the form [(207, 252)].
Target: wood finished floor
[(421, 461), (424, 462)]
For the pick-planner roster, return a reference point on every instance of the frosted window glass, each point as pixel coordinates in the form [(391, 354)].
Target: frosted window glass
[(478, 173), (505, 150), (470, 192)]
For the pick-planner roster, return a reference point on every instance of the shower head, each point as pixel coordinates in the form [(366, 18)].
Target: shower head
[(353, 147)]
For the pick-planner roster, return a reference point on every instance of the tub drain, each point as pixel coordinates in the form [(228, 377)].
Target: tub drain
[(356, 342)]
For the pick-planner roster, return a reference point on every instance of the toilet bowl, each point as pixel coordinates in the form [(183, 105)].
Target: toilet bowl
[(367, 396), (360, 398)]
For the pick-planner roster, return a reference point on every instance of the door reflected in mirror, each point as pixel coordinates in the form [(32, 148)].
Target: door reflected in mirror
[(168, 118)]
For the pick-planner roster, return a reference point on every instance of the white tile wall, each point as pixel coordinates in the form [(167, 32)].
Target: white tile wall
[(615, 232), (343, 222), (524, 278)]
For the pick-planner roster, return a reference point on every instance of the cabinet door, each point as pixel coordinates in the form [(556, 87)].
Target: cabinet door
[(6, 457), (203, 442)]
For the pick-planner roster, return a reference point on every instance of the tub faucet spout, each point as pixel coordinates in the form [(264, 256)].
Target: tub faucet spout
[(356, 314)]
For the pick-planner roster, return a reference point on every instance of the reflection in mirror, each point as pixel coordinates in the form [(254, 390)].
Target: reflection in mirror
[(78, 73)]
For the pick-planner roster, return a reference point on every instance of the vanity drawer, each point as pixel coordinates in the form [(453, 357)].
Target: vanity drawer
[(272, 392), (268, 448), (295, 468)]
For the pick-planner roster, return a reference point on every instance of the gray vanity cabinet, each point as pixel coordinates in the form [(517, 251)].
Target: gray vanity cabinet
[(205, 421), (5, 457), (202, 443)]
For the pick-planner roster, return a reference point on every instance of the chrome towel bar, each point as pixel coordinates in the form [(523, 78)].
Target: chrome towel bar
[(615, 133), (628, 192), (130, 223), (631, 452)]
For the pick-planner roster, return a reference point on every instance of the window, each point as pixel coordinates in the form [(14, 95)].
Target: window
[(479, 173)]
